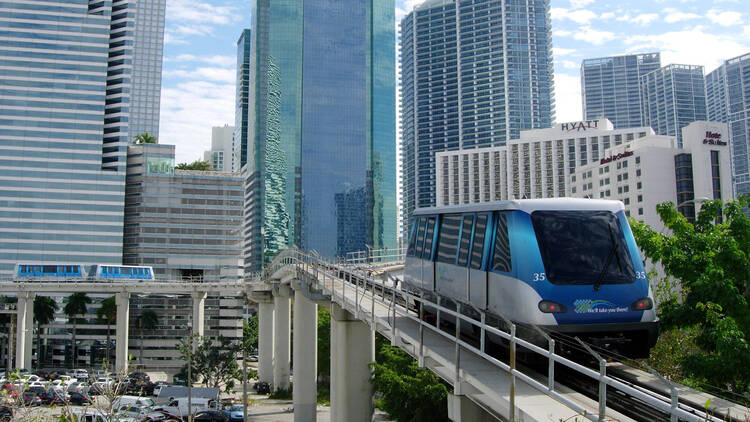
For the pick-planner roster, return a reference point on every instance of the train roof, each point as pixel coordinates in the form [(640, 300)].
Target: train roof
[(530, 205)]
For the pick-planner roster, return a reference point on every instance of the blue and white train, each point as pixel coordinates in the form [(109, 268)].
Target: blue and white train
[(569, 266), (97, 272)]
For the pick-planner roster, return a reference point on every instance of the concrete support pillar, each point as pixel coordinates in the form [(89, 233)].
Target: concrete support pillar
[(352, 349), (265, 342), (24, 329), (281, 331), (121, 334), (462, 409), (305, 393), (199, 305)]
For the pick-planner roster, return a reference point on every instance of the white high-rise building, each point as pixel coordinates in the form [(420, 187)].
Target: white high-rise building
[(221, 156)]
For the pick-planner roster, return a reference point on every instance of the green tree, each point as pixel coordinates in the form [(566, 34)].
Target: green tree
[(44, 313), (146, 321), (76, 306), (107, 314), (7, 320), (711, 258), (409, 393), (324, 341), (145, 138), (195, 165), (214, 365), (250, 334)]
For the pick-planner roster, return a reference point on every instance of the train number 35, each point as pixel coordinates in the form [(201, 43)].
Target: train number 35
[(640, 275), (539, 277)]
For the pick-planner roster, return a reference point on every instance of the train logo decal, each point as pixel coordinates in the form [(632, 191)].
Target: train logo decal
[(590, 306)]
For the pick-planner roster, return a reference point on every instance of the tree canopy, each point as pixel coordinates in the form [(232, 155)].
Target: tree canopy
[(214, 365), (107, 313), (711, 260), (145, 138), (44, 309), (195, 165), (76, 304)]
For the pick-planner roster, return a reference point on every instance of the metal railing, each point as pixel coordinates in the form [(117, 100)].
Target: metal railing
[(375, 256), (357, 284)]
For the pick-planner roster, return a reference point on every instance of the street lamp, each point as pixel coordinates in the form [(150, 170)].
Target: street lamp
[(695, 201), (189, 374)]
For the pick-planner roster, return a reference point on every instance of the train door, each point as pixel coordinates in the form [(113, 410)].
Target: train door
[(477, 273), (464, 249), (428, 265), (413, 267)]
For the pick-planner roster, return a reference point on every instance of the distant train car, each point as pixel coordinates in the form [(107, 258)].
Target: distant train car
[(569, 266), (49, 271), (120, 272)]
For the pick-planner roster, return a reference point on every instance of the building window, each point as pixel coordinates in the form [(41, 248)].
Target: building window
[(619, 189), (624, 163), (716, 174), (608, 193), (639, 185), (640, 211), (638, 159), (683, 168), (626, 188), (640, 198), (601, 170), (638, 173), (619, 177), (606, 169), (601, 194), (624, 176), (626, 201)]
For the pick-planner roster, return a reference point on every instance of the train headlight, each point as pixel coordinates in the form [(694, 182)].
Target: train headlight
[(642, 304), (550, 307)]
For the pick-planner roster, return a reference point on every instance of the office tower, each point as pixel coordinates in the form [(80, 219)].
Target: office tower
[(473, 74), (673, 97), (321, 126), (148, 51), (241, 100), (221, 156), (64, 94), (610, 87), (728, 101)]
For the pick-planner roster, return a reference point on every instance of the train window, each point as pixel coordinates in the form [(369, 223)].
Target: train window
[(477, 249), (420, 238), (501, 254), (448, 238), (412, 237), (50, 268), (582, 247), (427, 252), (463, 250)]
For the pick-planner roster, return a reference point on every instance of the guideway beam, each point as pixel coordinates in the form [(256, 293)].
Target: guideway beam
[(305, 358), (352, 349)]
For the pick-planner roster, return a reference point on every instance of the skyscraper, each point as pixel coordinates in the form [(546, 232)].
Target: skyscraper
[(610, 87), (321, 126), (728, 102), (65, 81), (473, 73), (148, 51), (241, 100), (673, 97)]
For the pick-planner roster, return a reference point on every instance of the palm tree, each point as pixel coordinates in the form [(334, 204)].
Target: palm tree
[(107, 314), (44, 313), (145, 138), (76, 306), (147, 320)]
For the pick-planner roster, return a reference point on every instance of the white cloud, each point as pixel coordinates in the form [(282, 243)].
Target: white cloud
[(691, 46), (724, 18), (562, 33), (582, 16), (606, 16), (559, 51), (568, 98), (746, 30), (189, 110), (569, 64), (217, 60), (199, 12), (169, 38), (577, 4), (674, 15), (204, 74), (644, 18), (593, 36), (404, 7)]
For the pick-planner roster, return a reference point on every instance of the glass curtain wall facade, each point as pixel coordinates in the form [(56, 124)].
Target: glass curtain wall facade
[(728, 101), (65, 79), (610, 87), (148, 52), (474, 73), (321, 126), (239, 140), (673, 97)]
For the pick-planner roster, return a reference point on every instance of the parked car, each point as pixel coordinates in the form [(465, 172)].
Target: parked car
[(80, 399), (30, 398), (6, 413), (234, 412), (134, 411), (209, 416), (157, 388)]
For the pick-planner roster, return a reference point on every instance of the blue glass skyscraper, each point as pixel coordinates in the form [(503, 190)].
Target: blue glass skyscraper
[(239, 140), (65, 86), (728, 100), (673, 97), (473, 73), (611, 87), (321, 128)]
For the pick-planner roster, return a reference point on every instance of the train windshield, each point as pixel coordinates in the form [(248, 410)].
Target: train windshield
[(582, 247)]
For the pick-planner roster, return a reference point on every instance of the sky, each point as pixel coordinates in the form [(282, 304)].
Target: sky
[(198, 80)]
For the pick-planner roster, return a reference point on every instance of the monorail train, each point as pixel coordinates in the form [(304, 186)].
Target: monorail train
[(78, 271), (569, 266)]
